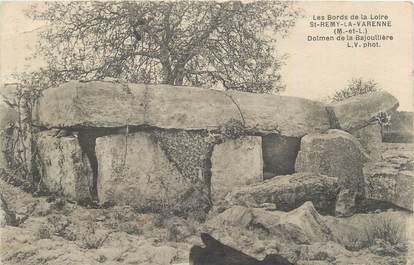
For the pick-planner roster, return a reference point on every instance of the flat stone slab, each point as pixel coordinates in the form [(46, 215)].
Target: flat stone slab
[(289, 192), (357, 112), (235, 163), (111, 104)]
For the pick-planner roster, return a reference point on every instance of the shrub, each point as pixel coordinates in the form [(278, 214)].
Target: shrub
[(90, 239), (376, 229), (232, 129), (44, 231), (355, 87)]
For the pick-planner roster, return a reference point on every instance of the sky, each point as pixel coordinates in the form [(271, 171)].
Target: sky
[(312, 70)]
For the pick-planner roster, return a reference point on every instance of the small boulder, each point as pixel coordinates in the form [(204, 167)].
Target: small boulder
[(289, 192), (178, 229), (384, 181), (301, 226)]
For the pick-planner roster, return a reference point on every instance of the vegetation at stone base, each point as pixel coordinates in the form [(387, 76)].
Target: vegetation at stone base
[(376, 231), (21, 151), (355, 87), (178, 43)]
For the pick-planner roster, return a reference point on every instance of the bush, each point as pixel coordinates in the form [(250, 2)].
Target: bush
[(91, 239), (377, 229), (355, 87), (44, 231)]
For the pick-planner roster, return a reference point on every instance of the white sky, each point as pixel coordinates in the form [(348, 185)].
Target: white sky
[(312, 70)]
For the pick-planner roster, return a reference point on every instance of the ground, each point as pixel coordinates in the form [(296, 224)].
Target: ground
[(59, 232)]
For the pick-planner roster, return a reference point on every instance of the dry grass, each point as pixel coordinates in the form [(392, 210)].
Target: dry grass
[(376, 229)]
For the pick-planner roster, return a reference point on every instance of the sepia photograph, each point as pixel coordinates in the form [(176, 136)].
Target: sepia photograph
[(206, 132)]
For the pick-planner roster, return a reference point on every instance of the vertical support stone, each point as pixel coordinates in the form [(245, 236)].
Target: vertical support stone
[(336, 154), (65, 168), (370, 138), (134, 170), (236, 163)]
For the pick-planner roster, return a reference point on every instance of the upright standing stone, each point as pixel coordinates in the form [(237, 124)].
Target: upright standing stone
[(236, 163), (134, 170), (371, 139), (66, 168), (337, 154)]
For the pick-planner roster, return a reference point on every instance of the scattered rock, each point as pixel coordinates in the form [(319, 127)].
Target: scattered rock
[(289, 192), (386, 182), (359, 111), (235, 163), (43, 208), (346, 202), (300, 226), (178, 229)]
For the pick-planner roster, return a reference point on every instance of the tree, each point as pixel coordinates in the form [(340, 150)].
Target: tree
[(178, 43), (355, 87)]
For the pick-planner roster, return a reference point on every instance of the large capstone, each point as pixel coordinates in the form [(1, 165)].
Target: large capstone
[(65, 168), (279, 154), (134, 170), (111, 104), (359, 111), (336, 154), (236, 163), (289, 192), (288, 116)]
